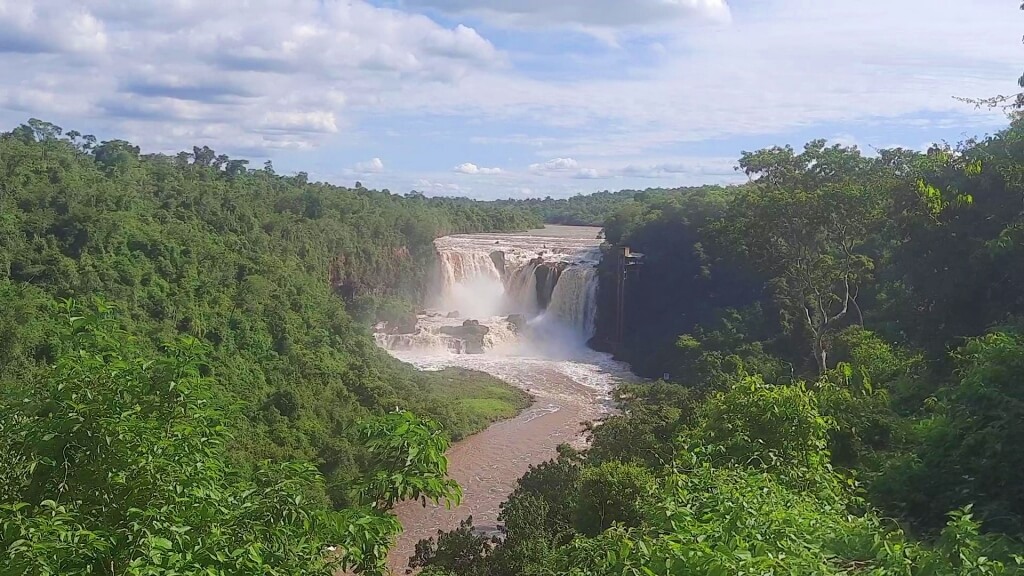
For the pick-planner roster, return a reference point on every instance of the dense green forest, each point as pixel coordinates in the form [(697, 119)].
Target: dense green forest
[(226, 311), (844, 346), (589, 210), (188, 384)]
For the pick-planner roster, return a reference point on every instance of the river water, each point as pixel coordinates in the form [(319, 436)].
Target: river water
[(546, 280)]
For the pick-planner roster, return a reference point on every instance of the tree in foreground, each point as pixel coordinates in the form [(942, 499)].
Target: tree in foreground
[(115, 463)]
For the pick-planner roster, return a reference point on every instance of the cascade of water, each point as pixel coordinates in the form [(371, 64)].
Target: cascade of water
[(472, 284), (521, 289), (547, 278), (459, 267), (574, 299), (423, 340)]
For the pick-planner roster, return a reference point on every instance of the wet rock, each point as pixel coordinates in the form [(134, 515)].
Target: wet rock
[(498, 257), (404, 325), (517, 322), (472, 334), (548, 274), (454, 314)]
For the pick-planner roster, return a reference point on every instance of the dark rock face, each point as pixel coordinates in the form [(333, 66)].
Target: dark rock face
[(405, 325), (547, 274), (471, 333), (498, 257), (517, 322)]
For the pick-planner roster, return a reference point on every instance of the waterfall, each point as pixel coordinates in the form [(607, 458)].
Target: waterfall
[(547, 278), (472, 283), (521, 290), (503, 293), (460, 267), (574, 299)]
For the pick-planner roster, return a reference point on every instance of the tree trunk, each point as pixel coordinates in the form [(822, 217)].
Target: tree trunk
[(820, 355)]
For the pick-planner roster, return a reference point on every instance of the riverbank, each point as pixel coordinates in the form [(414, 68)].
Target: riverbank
[(488, 464), (477, 398)]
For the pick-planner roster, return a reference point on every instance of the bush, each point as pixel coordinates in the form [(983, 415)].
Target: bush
[(774, 427)]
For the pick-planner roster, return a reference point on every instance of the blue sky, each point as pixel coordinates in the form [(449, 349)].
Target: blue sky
[(508, 98)]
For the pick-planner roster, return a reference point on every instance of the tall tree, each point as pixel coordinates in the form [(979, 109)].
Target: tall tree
[(803, 222)]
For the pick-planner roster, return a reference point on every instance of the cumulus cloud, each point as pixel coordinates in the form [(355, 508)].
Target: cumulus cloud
[(49, 27), (682, 169), (588, 174), (256, 76), (555, 165), (603, 13), (786, 65), (473, 169), (434, 188), (300, 122), (263, 73), (566, 167), (372, 166)]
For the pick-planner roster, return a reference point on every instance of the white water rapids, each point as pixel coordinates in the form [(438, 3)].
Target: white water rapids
[(536, 295)]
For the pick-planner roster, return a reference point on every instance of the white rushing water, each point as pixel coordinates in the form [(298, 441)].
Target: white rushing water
[(534, 297), (533, 294)]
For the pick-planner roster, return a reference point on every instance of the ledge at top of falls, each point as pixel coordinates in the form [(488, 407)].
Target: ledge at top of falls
[(554, 243)]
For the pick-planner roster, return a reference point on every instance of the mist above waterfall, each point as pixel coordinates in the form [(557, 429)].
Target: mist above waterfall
[(472, 284)]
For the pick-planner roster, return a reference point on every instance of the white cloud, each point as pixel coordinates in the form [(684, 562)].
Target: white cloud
[(301, 122), (434, 188), (555, 165), (372, 166), (258, 76), (262, 72), (588, 174), (688, 169), (473, 169), (566, 167), (786, 65), (601, 13), (49, 27)]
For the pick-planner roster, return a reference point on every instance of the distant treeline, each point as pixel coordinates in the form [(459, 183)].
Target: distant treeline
[(589, 210)]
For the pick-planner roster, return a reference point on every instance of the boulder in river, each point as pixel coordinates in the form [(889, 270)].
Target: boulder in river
[(517, 322), (404, 325), (471, 332), (454, 314)]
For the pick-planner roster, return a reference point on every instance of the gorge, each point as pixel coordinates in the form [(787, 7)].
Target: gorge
[(520, 307)]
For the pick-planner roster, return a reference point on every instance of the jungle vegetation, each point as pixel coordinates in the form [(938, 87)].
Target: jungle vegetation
[(839, 353), (187, 379)]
